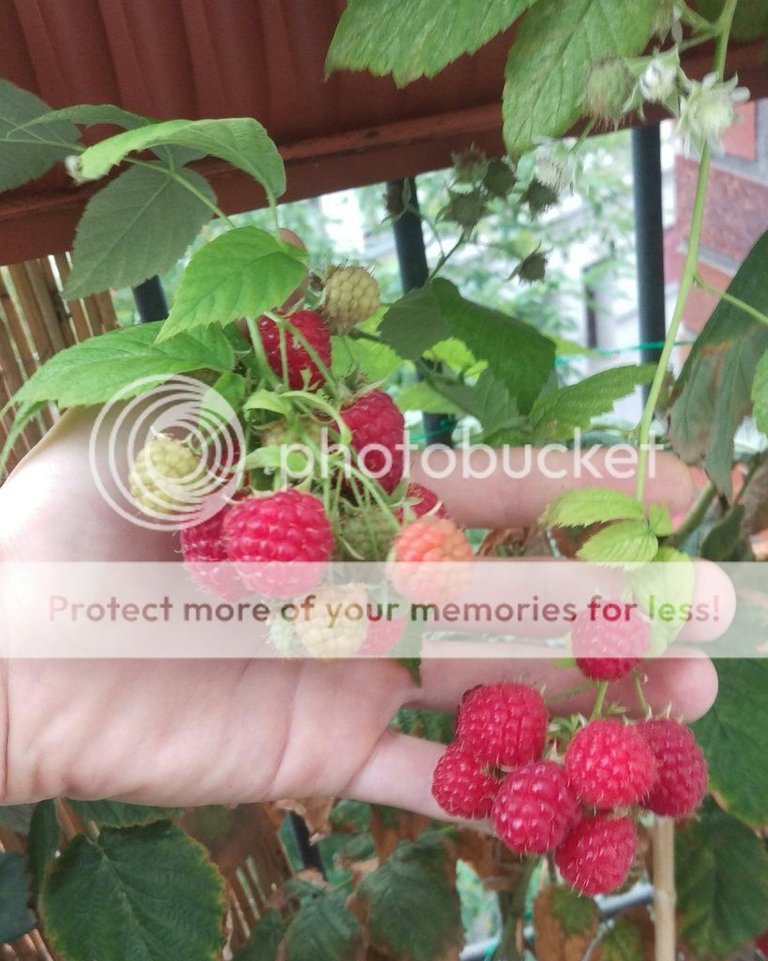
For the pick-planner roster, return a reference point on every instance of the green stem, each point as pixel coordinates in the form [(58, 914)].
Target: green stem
[(730, 299), (597, 709), (754, 467), (689, 268), (695, 517), (640, 693)]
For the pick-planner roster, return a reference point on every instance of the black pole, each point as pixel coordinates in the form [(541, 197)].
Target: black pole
[(649, 238), (150, 300), (403, 205)]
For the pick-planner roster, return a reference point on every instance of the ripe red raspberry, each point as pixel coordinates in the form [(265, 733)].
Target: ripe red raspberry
[(461, 786), (610, 764), (535, 808), (681, 771), (301, 369), (761, 944), (608, 650), (420, 500), (597, 855), (418, 550), (378, 437), (290, 528), (206, 559), (503, 724)]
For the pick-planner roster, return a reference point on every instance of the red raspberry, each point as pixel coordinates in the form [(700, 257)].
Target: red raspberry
[(461, 786), (761, 944), (535, 808), (302, 371), (206, 559), (378, 437), (417, 551), (422, 501), (382, 636), (503, 724), (610, 764), (597, 855), (608, 650), (681, 778), (287, 527)]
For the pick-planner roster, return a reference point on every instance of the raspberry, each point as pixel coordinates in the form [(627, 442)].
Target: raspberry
[(287, 527), (597, 855), (167, 477), (681, 780), (378, 437), (609, 86), (335, 625), (300, 327), (351, 294), (419, 501), (416, 551), (461, 786), (367, 534), (382, 635), (761, 944), (610, 764), (535, 808), (503, 724), (608, 650), (206, 559)]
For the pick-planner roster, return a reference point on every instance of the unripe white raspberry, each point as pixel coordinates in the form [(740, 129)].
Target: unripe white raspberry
[(351, 295), (336, 624), (167, 477)]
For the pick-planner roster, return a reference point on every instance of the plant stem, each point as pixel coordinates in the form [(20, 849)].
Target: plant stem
[(597, 709), (664, 896), (696, 515), (730, 299), (689, 268), (640, 694)]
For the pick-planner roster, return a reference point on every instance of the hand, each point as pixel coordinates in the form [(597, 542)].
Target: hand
[(201, 732)]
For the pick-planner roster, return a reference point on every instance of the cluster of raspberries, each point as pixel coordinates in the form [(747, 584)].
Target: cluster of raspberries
[(581, 804)]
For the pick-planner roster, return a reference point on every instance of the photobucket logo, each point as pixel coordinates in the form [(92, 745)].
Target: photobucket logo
[(167, 456)]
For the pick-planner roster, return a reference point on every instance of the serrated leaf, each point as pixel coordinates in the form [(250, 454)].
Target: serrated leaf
[(103, 900), (556, 414), (377, 361), (660, 521), (713, 393), (591, 505), (553, 50), (626, 542), (17, 817), (521, 358), (22, 161), (89, 114), (267, 400), (15, 917), (323, 930), (242, 141), (139, 225), (116, 814), (412, 905), (736, 748), (102, 367), (721, 871), (265, 939), (423, 397), (241, 273), (43, 842), (414, 324), (396, 37)]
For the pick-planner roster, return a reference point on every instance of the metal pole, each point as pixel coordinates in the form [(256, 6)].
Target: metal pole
[(150, 300), (403, 202), (649, 238)]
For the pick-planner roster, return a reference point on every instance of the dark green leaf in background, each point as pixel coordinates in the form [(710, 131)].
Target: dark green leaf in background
[(323, 930), (15, 917), (43, 842), (116, 814), (265, 939), (17, 817)]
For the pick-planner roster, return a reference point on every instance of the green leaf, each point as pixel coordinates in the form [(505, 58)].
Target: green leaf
[(574, 913), (90, 114), (17, 817), (659, 520), (750, 18), (229, 387), (98, 369), (19, 161), (722, 884), (136, 894), (521, 358), (412, 903), (43, 842), (15, 917), (377, 361), (713, 392), (626, 542), (116, 814), (267, 400), (493, 406), (415, 38), (736, 748), (725, 538), (422, 396), (760, 394), (265, 939), (413, 666), (241, 141), (556, 414), (454, 353), (591, 505), (553, 50), (414, 324), (139, 225), (323, 930), (241, 273)]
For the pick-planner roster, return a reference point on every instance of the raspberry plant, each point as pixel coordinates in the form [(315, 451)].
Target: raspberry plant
[(578, 791)]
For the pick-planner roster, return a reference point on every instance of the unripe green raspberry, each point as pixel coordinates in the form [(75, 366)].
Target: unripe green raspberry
[(336, 625), (167, 477), (366, 535), (351, 295), (299, 431), (608, 89)]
